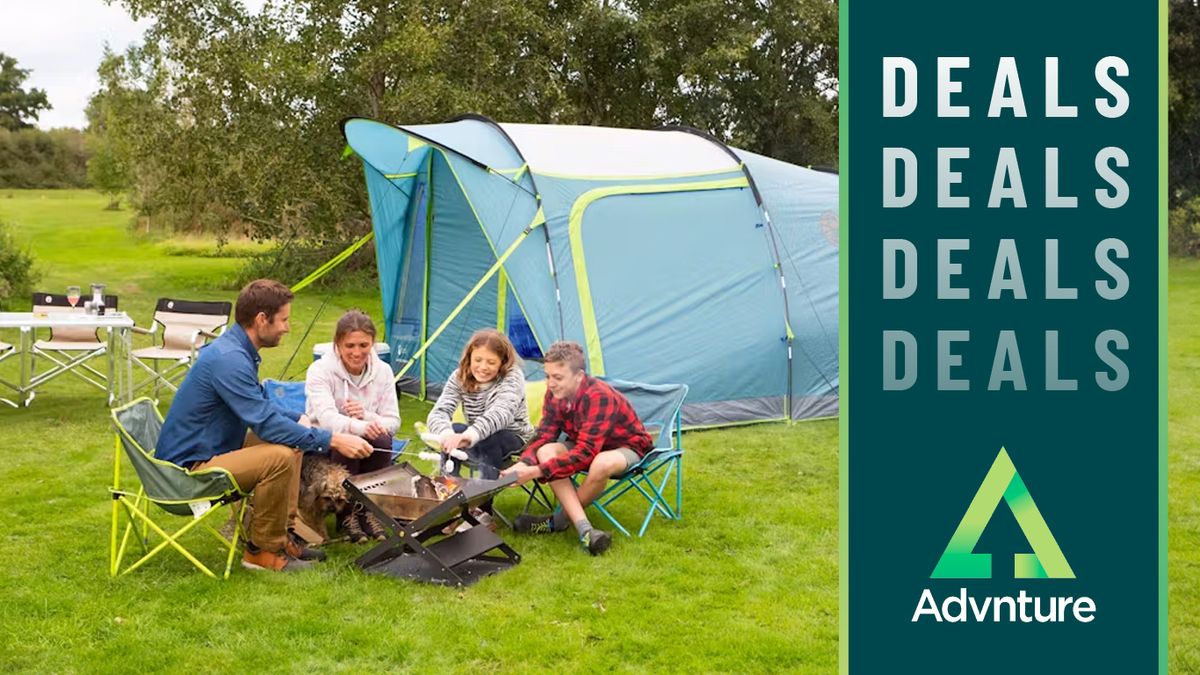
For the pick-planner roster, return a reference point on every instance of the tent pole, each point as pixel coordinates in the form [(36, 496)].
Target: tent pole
[(428, 253)]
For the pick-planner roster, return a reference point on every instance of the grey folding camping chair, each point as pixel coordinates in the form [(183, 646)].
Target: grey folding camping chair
[(70, 348), (186, 326), (165, 488)]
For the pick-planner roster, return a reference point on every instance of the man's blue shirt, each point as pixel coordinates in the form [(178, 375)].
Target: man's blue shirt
[(219, 399)]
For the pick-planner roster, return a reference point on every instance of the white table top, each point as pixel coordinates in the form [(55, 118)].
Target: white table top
[(61, 319)]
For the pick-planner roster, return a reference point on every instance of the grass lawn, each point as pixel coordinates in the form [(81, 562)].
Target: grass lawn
[(747, 582)]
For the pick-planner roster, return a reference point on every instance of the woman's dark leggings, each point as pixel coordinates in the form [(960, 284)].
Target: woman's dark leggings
[(491, 454), (372, 462)]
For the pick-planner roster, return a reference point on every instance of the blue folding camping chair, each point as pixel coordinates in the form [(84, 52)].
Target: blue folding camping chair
[(289, 397), (658, 406)]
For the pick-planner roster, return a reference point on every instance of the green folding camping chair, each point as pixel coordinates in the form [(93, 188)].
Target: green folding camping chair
[(165, 487), (658, 406)]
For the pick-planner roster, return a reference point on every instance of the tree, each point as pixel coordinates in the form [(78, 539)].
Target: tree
[(16, 104), (1183, 43), (227, 119)]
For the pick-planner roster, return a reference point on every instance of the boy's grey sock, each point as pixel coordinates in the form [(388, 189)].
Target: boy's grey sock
[(582, 526)]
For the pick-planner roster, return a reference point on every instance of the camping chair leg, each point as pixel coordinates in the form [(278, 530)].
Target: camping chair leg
[(171, 541), (660, 503), (616, 523), (679, 488), (157, 379), (112, 542), (599, 503), (237, 531), (130, 525)]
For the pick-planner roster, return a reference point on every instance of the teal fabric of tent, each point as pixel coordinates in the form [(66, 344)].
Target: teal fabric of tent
[(669, 256)]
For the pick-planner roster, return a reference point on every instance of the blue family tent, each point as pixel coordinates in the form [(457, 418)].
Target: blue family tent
[(669, 256)]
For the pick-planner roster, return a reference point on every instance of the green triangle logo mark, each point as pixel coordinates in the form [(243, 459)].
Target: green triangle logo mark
[(1002, 482)]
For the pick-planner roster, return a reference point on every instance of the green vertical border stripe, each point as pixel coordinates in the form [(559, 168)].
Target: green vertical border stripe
[(1163, 626), (844, 337), (575, 234)]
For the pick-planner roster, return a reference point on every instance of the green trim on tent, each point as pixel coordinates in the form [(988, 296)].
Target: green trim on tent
[(502, 302), (692, 174), (575, 235), (414, 142), (332, 263), (394, 176)]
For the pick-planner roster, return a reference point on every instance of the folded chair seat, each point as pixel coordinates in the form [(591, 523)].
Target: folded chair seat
[(162, 353)]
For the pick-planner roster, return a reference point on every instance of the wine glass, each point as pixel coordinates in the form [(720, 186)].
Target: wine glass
[(73, 295)]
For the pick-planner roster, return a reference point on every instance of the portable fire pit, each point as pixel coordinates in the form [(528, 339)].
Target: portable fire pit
[(415, 509)]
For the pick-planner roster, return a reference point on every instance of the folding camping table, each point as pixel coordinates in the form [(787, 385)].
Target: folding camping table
[(410, 551), (120, 369)]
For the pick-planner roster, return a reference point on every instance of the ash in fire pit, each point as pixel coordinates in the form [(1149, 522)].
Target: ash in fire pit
[(403, 492)]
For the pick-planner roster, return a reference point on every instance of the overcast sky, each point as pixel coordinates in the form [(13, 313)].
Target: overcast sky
[(61, 41)]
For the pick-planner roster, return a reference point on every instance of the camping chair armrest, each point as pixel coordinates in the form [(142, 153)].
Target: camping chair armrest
[(192, 340), (145, 331)]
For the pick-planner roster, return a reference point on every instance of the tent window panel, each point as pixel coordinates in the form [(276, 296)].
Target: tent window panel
[(519, 331), (684, 292)]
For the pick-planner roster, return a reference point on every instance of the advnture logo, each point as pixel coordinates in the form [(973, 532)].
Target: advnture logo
[(959, 560), (1002, 482)]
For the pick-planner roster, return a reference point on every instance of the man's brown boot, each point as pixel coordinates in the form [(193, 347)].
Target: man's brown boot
[(255, 558)]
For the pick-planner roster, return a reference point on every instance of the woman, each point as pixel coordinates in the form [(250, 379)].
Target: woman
[(490, 387), (350, 390)]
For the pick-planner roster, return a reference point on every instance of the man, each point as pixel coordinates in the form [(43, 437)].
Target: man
[(604, 438), (220, 398)]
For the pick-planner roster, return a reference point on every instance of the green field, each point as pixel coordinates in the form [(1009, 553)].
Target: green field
[(747, 582)]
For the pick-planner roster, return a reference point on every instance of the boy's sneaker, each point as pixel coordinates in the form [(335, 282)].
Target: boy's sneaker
[(533, 524), (596, 541), (257, 559)]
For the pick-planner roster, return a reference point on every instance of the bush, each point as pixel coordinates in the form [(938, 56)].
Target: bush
[(17, 275), (32, 158), (1183, 238)]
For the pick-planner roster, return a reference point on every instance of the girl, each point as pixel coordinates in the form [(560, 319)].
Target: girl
[(349, 390), (490, 387)]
